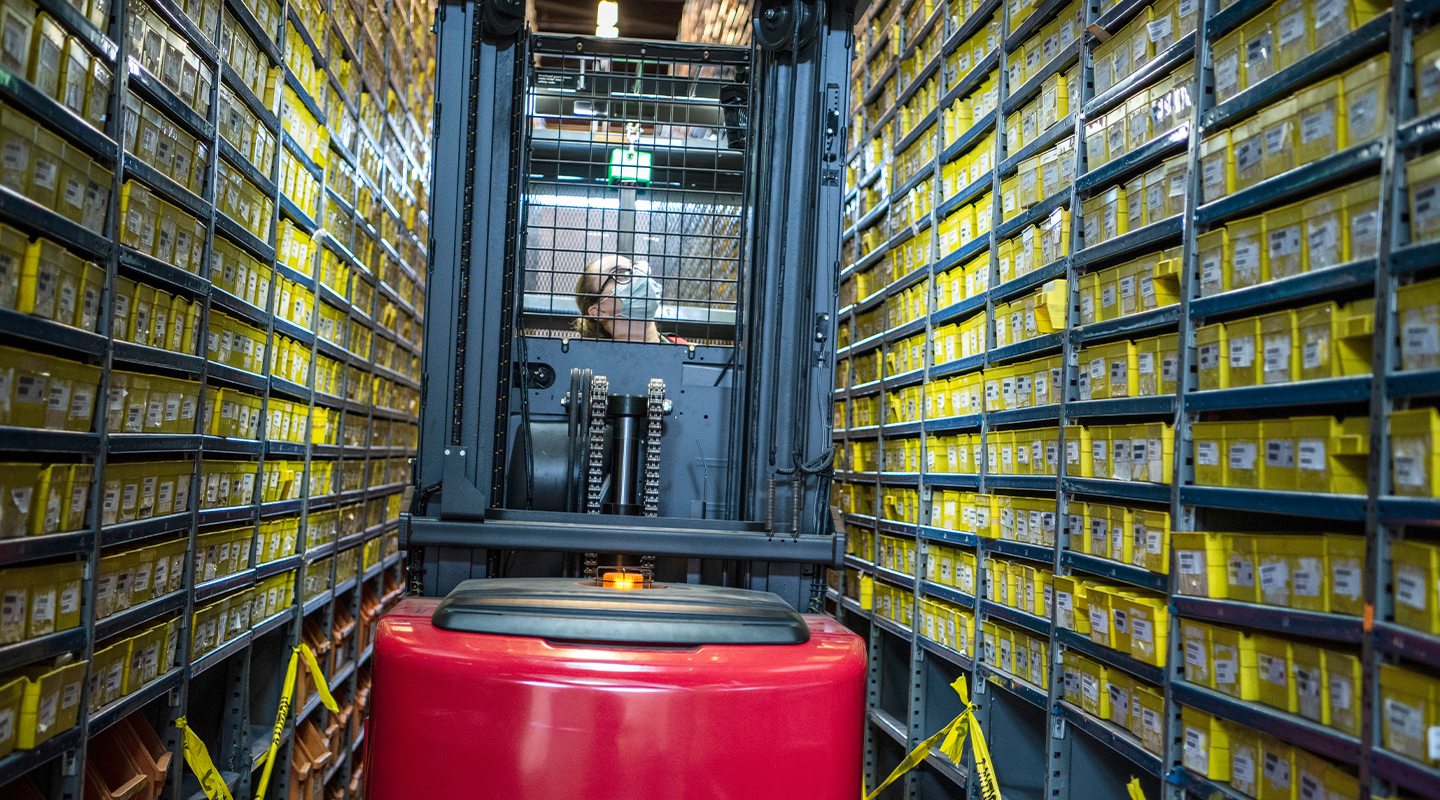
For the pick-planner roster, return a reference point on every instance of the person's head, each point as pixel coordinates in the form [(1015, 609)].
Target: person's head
[(617, 299)]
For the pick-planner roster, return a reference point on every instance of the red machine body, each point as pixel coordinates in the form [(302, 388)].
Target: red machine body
[(457, 714)]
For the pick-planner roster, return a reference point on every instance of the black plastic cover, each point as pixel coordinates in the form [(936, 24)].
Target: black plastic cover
[(577, 610)]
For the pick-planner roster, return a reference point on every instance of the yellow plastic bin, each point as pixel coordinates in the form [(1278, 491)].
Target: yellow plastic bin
[(50, 704), (1246, 260), (1407, 710), (1278, 353), (1423, 179), (1414, 454), (1217, 167), (1366, 89), (1342, 685), (1247, 760), (1274, 666), (1345, 560), (1214, 252), (1331, 455), (1234, 659), (1312, 696), (1207, 744), (1197, 643), (1242, 569), (1200, 558), (1415, 568), (1418, 307), (1277, 440)]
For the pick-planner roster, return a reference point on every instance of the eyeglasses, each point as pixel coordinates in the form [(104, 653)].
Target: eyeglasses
[(620, 274)]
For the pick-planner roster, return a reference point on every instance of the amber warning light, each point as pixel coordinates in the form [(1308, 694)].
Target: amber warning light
[(625, 580)]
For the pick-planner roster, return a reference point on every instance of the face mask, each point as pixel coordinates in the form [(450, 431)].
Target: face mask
[(640, 298)]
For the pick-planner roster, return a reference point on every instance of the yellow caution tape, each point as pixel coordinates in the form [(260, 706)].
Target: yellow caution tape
[(319, 677), (1133, 787), (199, 760), (984, 767), (951, 740), (283, 713)]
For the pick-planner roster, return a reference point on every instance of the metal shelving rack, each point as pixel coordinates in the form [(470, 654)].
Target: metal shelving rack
[(237, 729), (1032, 730)]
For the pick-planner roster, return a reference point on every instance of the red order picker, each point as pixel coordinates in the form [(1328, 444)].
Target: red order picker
[(620, 523)]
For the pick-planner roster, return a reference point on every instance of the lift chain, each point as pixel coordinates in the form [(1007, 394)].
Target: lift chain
[(650, 480), (595, 451)]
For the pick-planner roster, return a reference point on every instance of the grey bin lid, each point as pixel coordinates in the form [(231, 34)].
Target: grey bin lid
[(576, 610)]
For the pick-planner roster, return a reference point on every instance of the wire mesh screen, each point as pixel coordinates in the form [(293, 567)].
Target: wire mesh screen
[(634, 199)]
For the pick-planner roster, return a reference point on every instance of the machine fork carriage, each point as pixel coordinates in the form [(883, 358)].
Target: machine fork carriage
[(661, 221)]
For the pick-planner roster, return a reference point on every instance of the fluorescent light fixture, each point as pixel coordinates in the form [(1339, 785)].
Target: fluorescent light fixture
[(606, 18)]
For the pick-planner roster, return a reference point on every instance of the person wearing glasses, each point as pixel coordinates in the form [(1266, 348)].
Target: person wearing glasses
[(617, 300)]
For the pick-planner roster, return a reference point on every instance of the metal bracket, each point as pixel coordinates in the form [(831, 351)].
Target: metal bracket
[(459, 499)]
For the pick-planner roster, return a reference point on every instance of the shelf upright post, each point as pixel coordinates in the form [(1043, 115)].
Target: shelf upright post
[(1182, 469), (1057, 776), (1385, 360), (69, 771), (180, 699), (1002, 92), (872, 672)]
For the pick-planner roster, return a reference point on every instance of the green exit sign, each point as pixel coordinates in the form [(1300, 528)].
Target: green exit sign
[(629, 166)]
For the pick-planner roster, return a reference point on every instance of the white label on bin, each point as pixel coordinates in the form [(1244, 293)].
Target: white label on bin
[(1432, 742), (1363, 226), (1312, 354), (1227, 72), (1321, 236), (1345, 581), (1159, 29), (1207, 454), (70, 599), (1327, 10), (1191, 562), (1277, 770), (1099, 623), (1274, 576), (1247, 154), (1272, 669), (1280, 453), (1213, 173), (1242, 768), (1409, 470), (1421, 339), (1275, 138), (1241, 571), (1317, 125), (1195, 653), (1242, 455), (1141, 629), (42, 609), (1224, 670), (1306, 581), (1312, 454), (1364, 110), (1410, 586), (1403, 719), (1197, 757), (1247, 259), (1292, 27), (1284, 242), (1242, 352)]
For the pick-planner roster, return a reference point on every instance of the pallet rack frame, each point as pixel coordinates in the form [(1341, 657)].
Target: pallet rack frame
[(235, 747), (1106, 753)]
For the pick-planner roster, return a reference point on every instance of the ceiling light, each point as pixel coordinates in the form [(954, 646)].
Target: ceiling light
[(606, 18)]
